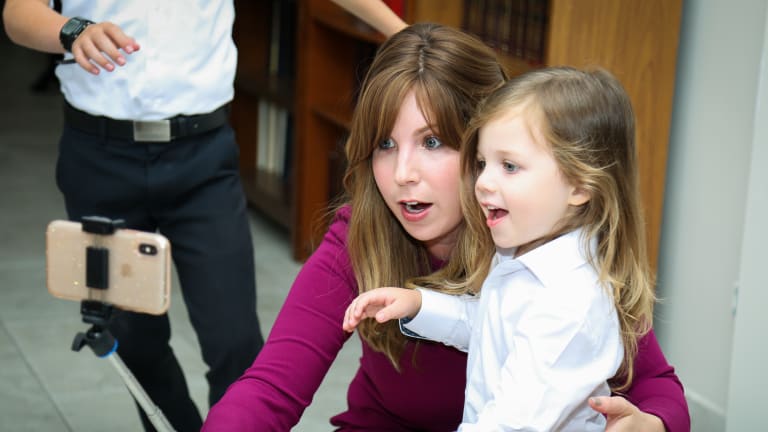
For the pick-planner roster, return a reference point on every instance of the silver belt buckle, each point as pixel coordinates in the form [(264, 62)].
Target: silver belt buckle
[(154, 131)]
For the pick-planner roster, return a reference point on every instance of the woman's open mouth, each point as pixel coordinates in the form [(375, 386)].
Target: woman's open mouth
[(414, 207), (414, 210)]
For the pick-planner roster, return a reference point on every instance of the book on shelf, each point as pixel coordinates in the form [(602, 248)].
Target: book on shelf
[(536, 28), (516, 28), (274, 137), (288, 154), (286, 56), (262, 128), (491, 23), (274, 39)]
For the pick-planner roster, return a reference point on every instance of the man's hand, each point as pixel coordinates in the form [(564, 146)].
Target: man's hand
[(100, 44), (625, 417), (383, 304)]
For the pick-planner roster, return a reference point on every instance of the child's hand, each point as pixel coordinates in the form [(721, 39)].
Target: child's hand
[(383, 304)]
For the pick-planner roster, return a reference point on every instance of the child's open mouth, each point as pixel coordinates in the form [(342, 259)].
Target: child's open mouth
[(495, 215)]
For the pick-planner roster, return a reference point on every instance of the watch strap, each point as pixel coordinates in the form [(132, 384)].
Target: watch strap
[(71, 30)]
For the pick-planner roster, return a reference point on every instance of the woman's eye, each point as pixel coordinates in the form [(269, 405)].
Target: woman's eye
[(510, 167), (480, 165), (386, 144), (432, 142)]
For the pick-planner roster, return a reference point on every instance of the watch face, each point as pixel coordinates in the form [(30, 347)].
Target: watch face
[(71, 30), (71, 26)]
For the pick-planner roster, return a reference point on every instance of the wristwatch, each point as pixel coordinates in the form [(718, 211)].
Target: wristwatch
[(71, 30)]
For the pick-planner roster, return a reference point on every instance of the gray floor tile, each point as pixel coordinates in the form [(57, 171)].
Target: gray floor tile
[(101, 410), (24, 404), (24, 293)]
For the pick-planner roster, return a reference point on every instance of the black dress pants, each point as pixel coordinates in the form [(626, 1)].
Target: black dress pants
[(189, 190)]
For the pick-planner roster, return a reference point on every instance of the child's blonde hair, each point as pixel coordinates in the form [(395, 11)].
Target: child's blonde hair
[(586, 119)]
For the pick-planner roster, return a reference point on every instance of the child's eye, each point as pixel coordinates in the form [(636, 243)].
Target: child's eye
[(432, 142), (510, 167), (386, 144), (479, 165)]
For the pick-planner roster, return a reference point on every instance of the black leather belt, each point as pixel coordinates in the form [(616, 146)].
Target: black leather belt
[(146, 131)]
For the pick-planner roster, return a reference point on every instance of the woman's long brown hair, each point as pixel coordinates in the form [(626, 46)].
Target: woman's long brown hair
[(450, 72)]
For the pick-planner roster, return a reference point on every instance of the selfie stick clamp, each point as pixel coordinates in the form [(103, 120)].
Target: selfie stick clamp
[(99, 314)]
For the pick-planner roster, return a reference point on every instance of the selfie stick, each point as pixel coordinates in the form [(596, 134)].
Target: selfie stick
[(98, 314)]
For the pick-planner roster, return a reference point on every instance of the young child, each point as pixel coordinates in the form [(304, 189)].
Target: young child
[(567, 290)]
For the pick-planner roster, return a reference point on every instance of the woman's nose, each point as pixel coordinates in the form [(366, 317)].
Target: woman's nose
[(407, 169)]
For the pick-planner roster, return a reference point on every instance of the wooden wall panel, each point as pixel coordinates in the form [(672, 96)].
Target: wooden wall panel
[(637, 41)]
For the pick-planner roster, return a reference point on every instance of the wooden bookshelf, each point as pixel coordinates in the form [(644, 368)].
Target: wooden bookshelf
[(636, 40), (269, 192)]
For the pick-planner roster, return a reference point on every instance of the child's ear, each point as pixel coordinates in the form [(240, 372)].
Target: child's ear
[(579, 196)]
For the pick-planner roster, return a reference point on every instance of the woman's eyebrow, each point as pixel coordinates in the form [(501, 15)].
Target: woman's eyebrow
[(426, 128)]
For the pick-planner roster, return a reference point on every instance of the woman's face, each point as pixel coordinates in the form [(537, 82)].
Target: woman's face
[(418, 177)]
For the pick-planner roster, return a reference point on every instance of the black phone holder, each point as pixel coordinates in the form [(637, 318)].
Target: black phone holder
[(98, 337), (99, 314), (95, 312)]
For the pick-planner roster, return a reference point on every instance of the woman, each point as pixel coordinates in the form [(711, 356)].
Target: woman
[(403, 220)]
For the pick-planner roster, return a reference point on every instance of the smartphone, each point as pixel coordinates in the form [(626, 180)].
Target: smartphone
[(137, 268)]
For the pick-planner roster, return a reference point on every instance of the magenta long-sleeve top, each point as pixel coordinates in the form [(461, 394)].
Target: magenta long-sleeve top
[(426, 395)]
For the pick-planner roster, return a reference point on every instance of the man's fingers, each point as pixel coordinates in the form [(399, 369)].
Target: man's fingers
[(100, 45), (119, 38)]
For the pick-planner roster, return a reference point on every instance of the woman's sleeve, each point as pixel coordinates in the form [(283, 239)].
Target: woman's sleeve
[(656, 389), (303, 343)]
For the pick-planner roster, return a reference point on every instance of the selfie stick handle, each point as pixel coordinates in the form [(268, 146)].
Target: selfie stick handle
[(104, 345), (98, 337), (150, 409)]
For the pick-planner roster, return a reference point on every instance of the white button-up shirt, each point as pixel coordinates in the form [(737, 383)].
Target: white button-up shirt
[(543, 337), (186, 63)]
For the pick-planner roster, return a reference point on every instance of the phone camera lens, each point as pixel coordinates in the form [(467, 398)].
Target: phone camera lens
[(147, 249)]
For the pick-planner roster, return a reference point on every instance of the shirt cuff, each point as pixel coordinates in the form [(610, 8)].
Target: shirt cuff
[(404, 330), (437, 318)]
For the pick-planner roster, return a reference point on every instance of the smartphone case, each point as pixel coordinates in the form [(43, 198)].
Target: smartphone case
[(139, 273)]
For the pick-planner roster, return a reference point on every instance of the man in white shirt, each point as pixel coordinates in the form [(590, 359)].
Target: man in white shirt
[(146, 139)]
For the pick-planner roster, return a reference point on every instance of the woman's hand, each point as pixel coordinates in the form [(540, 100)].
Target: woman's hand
[(625, 417), (100, 44), (383, 304)]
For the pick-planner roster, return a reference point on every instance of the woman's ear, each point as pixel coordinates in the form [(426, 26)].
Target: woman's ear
[(579, 196)]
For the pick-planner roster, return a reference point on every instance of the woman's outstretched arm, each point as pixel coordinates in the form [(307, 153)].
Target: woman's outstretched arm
[(303, 343)]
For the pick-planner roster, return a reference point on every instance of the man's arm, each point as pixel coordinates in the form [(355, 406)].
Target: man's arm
[(375, 13), (33, 24)]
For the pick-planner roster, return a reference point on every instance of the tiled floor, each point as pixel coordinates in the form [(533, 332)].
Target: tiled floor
[(44, 386)]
